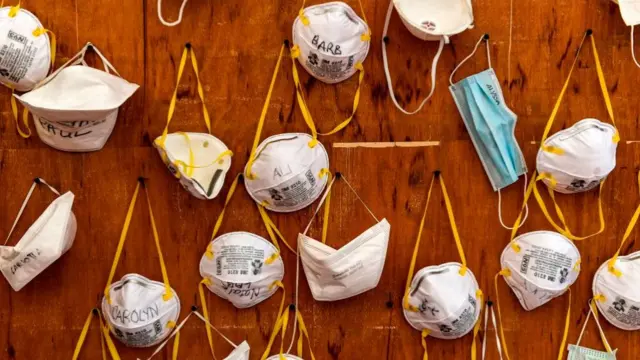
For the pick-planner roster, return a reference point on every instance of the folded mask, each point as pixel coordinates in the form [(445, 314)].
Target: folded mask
[(200, 161), (287, 172), (336, 274), (26, 51), (76, 108), (430, 20), (46, 240), (140, 312), (540, 266)]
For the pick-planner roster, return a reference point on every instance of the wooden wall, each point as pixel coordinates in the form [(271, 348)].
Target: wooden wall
[(237, 43)]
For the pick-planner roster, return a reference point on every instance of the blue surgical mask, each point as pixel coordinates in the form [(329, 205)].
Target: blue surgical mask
[(577, 352), (490, 123)]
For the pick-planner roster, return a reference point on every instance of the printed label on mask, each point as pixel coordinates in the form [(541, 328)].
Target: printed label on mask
[(239, 260), (295, 191), (24, 260), (625, 311), (546, 264), (348, 271), (69, 129), (140, 337), (333, 68), (462, 323), (582, 185), (241, 290), (16, 56)]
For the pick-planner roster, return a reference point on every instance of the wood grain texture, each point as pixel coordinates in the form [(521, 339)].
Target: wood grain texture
[(237, 43)]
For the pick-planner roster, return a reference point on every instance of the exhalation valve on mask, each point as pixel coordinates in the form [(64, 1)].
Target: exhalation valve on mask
[(443, 301), (75, 108), (200, 161), (429, 20), (138, 311)]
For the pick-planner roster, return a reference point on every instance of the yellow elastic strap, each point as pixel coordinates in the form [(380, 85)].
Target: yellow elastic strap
[(52, 42), (303, 331), (605, 91), (281, 325), (168, 292), (476, 327), (425, 333), (14, 10), (405, 300), (273, 231), (188, 50), (504, 272), (627, 233), (567, 320), (205, 313), (256, 140), (104, 337), (216, 228), (176, 346), (327, 206), (304, 109), (25, 118), (594, 308), (454, 228), (123, 237), (552, 149), (564, 230)]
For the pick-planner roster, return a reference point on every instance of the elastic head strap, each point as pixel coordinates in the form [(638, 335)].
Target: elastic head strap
[(405, 299), (281, 325), (168, 294), (504, 272), (36, 181), (39, 31), (385, 61), (104, 337), (188, 51), (273, 231), (305, 333), (476, 327), (605, 90), (593, 309), (173, 23), (484, 38), (632, 224), (565, 334), (205, 311), (256, 140), (454, 228), (518, 223), (425, 333), (564, 229), (26, 132), (230, 193)]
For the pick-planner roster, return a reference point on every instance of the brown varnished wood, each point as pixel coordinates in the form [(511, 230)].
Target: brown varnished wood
[(237, 43)]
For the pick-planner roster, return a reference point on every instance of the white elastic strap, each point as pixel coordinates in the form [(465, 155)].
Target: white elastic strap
[(166, 23), (584, 326), (488, 309), (526, 206), (633, 50), (177, 330), (484, 337), (495, 328), (24, 205), (324, 197), (434, 66), (482, 38)]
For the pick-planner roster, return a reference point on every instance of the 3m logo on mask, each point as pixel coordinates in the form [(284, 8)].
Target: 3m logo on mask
[(256, 266), (582, 185)]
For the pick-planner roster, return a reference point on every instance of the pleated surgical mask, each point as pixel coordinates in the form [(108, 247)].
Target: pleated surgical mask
[(75, 108), (578, 158), (443, 301), (336, 274), (242, 267), (286, 172), (491, 126), (46, 240), (138, 311), (615, 284), (429, 20), (200, 161)]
